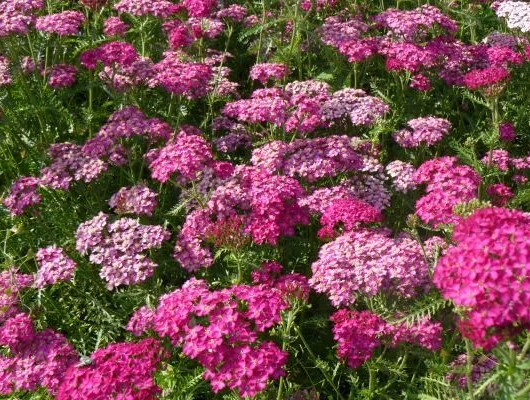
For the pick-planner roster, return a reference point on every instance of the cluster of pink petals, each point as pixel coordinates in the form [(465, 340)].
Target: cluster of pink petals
[(309, 159), (291, 286), (188, 153), (111, 54), (137, 8), (37, 359), (360, 333), (62, 76), (11, 285), (480, 367), (506, 132), (448, 184), (16, 16), (138, 199), (500, 194), (361, 108), (65, 23), (119, 246), (224, 336), (368, 262), (5, 75), (118, 371), (349, 214), (23, 194), (266, 205), (423, 131), (267, 71), (265, 105), (200, 8), (402, 175), (114, 26), (54, 266), (486, 78), (234, 12), (189, 79), (486, 273), (413, 24)]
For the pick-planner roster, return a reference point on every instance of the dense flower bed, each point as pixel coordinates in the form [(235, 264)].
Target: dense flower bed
[(317, 199)]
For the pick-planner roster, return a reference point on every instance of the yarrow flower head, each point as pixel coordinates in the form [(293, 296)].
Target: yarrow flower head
[(266, 205), (368, 262), (265, 72), (62, 76), (54, 266), (486, 273), (37, 359), (423, 131), (402, 175), (349, 214), (360, 333), (139, 200), (187, 154), (506, 132), (448, 185), (23, 194), (224, 335), (65, 23), (120, 370), (118, 247), (114, 26)]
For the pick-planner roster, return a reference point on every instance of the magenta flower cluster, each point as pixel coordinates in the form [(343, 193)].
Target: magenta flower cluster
[(360, 333), (226, 343), (118, 371), (448, 184), (65, 23), (486, 273), (266, 203), (36, 360)]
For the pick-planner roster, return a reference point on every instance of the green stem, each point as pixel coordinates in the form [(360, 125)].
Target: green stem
[(469, 370), (324, 372)]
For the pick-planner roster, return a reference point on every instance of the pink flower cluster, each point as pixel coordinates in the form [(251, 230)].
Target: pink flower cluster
[(309, 159), (54, 266), (266, 205), (111, 54), (65, 23), (360, 333), (157, 8), (265, 72), (349, 214), (188, 153), (361, 109), (448, 184), (291, 286), (23, 194), (189, 79), (220, 330), (486, 273), (37, 359), (114, 26), (62, 76), (138, 199), (200, 8), (11, 284), (402, 175), (16, 16), (368, 262), (5, 75), (118, 371), (412, 25), (423, 131), (118, 247)]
